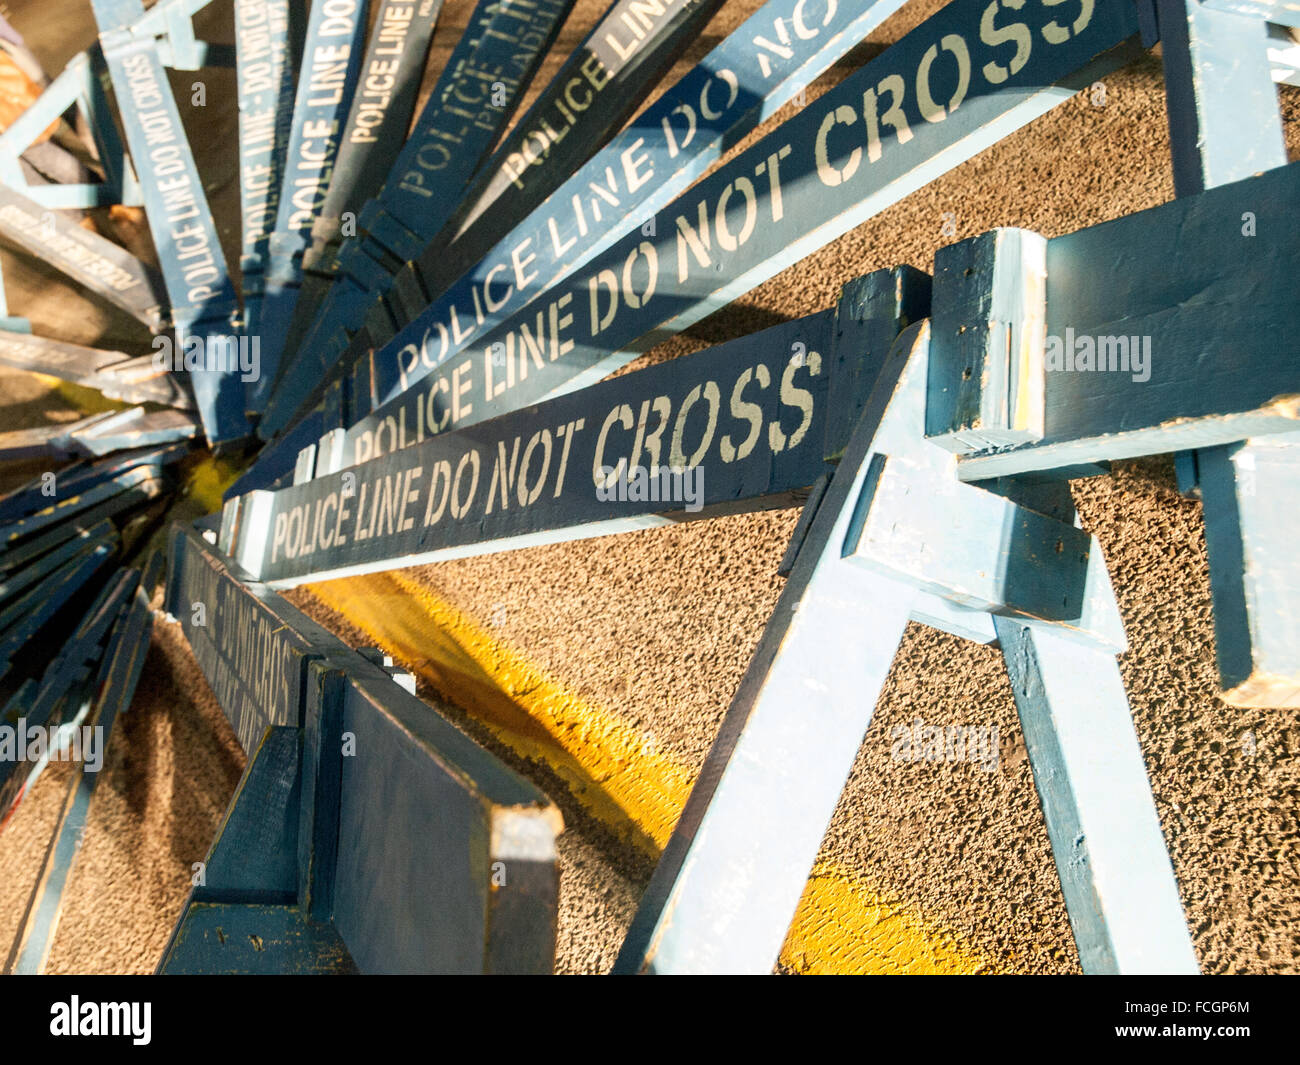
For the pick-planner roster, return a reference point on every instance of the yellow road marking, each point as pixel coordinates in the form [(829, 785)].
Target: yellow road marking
[(842, 925)]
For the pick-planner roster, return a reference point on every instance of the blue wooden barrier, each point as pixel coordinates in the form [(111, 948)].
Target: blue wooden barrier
[(331, 64), (502, 47), (202, 299), (367, 832), (798, 188), (743, 81), (266, 46)]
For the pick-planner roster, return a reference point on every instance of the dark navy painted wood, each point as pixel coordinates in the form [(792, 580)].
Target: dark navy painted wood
[(327, 79), (743, 422), (371, 140), (252, 646), (1210, 381), (115, 687), (227, 939), (692, 266), (254, 857), (415, 893), (473, 101), (743, 81), (265, 82)]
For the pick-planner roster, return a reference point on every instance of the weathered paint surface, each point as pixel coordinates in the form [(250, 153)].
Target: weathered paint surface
[(615, 772)]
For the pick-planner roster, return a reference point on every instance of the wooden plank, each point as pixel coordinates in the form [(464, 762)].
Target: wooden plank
[(327, 80), (76, 86), (180, 220), (82, 474), (251, 646), (93, 368), (1202, 379), (34, 611), (47, 564), (1251, 493), (1115, 873), (370, 141), (265, 47), (472, 103), (824, 171), (230, 938), (474, 889), (597, 90), (990, 300), (12, 532), (1282, 12), (254, 856), (1224, 122), (722, 895), (119, 673), (741, 426), (98, 265), (739, 84)]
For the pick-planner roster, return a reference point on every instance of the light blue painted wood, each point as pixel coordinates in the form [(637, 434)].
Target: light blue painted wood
[(986, 349), (1224, 122), (1224, 125), (1251, 493), (916, 522), (1283, 12), (1119, 886), (193, 264)]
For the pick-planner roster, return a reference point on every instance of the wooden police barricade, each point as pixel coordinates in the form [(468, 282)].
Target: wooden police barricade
[(1195, 379), (741, 426), (371, 140), (193, 265), (114, 689), (824, 171), (306, 861), (112, 373), (748, 77), (472, 102), (614, 68), (98, 265), (1225, 125), (327, 79), (265, 46), (600, 86)]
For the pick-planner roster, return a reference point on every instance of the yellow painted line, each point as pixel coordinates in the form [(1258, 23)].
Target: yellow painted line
[(842, 925), (208, 479), (85, 400)]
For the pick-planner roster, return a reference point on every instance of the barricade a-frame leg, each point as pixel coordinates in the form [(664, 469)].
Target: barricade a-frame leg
[(895, 537)]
